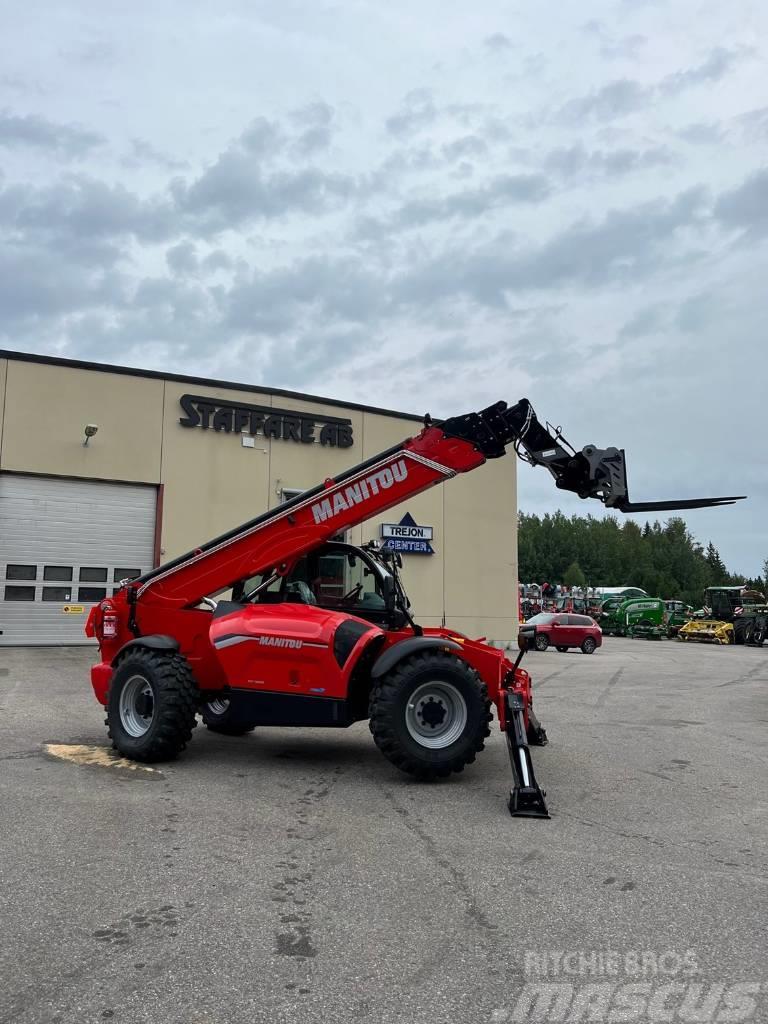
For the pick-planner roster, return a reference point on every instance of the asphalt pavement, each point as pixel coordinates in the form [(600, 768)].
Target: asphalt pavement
[(295, 875)]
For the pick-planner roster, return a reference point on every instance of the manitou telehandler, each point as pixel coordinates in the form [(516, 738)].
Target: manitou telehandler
[(301, 644)]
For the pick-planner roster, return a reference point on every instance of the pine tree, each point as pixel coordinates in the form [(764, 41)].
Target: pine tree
[(574, 576)]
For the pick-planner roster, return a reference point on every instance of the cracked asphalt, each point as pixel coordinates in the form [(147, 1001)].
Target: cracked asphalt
[(294, 875)]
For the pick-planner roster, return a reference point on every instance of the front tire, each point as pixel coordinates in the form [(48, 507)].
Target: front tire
[(541, 643), (151, 705), (429, 716), (217, 716), (588, 645)]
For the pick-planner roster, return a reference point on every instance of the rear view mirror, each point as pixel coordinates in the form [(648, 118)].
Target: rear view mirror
[(388, 588)]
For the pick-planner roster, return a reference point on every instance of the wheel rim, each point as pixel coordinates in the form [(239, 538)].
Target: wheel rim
[(589, 645), (220, 706), (436, 715), (541, 643), (137, 706)]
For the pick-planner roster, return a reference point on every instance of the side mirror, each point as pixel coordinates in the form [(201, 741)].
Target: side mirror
[(388, 586)]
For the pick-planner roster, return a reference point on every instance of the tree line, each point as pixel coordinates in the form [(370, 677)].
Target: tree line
[(664, 560)]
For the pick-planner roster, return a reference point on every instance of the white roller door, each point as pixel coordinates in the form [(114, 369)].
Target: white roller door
[(64, 545)]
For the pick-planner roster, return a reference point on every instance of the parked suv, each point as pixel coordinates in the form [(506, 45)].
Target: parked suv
[(564, 631)]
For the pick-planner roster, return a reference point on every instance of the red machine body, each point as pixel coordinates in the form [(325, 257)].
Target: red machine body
[(279, 654)]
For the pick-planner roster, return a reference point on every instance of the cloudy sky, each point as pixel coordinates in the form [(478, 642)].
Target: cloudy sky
[(421, 205)]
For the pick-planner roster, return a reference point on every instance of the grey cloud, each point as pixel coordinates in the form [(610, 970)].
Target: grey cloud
[(316, 126), (182, 258), (702, 133), (745, 208), (610, 46), (342, 289), (143, 152), (66, 140), (262, 138), (218, 259), (624, 96), (717, 64), (84, 208), (314, 353), (497, 43), (500, 191), (697, 313), (36, 284), (417, 111), (627, 245), (645, 321), (616, 99), (576, 160), (467, 145), (235, 190), (503, 190), (755, 123)]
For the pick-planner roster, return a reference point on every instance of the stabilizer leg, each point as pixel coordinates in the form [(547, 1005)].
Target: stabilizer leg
[(526, 799)]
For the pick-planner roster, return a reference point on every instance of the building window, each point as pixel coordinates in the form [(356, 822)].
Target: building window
[(19, 594), (57, 572), (125, 574), (21, 572), (93, 575), (92, 594), (57, 593)]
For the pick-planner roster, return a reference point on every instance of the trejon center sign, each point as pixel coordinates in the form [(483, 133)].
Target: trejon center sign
[(271, 423)]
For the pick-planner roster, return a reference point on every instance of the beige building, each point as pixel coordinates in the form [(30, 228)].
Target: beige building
[(176, 460)]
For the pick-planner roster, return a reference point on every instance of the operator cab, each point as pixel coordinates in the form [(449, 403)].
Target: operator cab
[(337, 576)]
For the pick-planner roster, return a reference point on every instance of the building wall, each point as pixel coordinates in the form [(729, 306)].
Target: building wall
[(3, 372), (211, 482)]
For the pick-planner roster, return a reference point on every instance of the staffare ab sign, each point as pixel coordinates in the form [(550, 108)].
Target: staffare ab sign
[(407, 537)]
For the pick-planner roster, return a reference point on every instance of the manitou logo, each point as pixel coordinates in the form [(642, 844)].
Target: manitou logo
[(359, 492), (280, 641)]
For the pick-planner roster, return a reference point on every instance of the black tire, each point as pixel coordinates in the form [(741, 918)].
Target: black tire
[(217, 716), (588, 645), (156, 692), (541, 643), (401, 732), (563, 650)]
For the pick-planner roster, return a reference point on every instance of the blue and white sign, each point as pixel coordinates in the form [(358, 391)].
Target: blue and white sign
[(407, 537)]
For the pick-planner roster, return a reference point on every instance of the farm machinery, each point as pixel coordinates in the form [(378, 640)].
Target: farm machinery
[(633, 616), (731, 615), (284, 649)]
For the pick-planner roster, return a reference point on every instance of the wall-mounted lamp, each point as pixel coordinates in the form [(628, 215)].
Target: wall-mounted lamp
[(90, 430)]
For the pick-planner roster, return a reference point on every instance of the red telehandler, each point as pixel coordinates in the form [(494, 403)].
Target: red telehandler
[(320, 633)]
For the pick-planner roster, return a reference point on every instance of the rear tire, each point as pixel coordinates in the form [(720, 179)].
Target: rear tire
[(429, 716), (588, 645), (217, 716), (563, 650), (541, 643), (151, 705)]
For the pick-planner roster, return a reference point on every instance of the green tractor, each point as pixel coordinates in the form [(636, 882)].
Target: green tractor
[(678, 613), (634, 616)]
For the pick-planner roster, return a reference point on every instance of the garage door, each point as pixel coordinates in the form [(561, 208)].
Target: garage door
[(64, 545)]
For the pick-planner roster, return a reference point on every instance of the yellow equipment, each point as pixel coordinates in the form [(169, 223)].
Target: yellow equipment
[(712, 631)]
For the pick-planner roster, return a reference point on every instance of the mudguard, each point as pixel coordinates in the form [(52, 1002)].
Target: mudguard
[(387, 661), (154, 642)]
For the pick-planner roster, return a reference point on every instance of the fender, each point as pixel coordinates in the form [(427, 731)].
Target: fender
[(404, 648), (154, 642)]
